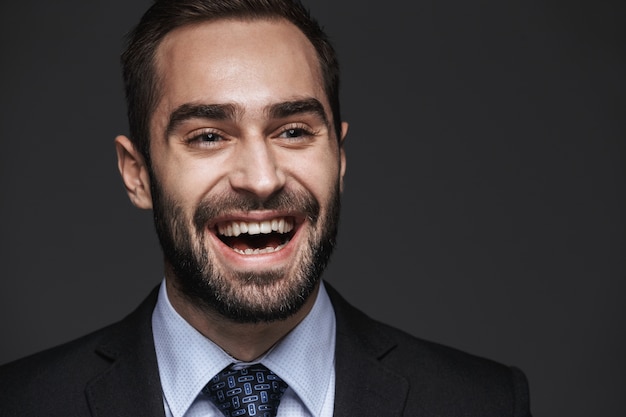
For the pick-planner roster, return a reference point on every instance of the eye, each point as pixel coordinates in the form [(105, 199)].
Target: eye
[(296, 133), (293, 133), (204, 138)]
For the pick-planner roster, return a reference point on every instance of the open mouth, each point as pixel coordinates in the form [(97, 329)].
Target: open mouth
[(256, 237)]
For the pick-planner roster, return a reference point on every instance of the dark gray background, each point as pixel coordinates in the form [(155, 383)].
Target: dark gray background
[(484, 202)]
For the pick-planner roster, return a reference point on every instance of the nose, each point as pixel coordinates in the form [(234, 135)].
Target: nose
[(256, 169)]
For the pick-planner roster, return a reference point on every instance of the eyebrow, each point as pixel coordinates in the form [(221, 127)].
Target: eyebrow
[(189, 111), (290, 108), (230, 111)]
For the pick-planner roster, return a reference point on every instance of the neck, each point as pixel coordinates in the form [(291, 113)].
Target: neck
[(243, 341)]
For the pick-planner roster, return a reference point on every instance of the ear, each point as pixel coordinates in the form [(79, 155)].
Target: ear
[(134, 172), (342, 152)]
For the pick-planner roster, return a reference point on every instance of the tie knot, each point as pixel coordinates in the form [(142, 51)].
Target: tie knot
[(252, 391)]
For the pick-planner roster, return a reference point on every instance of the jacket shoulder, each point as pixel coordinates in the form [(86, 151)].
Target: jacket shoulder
[(54, 382), (58, 374), (441, 380)]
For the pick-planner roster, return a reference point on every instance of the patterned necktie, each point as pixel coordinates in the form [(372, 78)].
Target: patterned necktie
[(253, 391)]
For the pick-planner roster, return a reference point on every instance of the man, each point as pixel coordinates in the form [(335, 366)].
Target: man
[(236, 144)]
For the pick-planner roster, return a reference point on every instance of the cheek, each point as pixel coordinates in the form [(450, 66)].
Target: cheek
[(318, 174), (189, 180)]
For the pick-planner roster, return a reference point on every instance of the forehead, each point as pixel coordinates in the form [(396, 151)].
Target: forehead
[(248, 62)]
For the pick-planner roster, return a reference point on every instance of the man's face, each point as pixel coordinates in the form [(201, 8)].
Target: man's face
[(246, 170)]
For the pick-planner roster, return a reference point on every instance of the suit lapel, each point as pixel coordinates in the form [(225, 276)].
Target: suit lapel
[(363, 385), (131, 385)]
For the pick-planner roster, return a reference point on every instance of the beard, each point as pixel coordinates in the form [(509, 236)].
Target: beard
[(244, 296)]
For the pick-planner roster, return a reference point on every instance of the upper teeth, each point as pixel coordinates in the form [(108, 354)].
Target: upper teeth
[(235, 228)]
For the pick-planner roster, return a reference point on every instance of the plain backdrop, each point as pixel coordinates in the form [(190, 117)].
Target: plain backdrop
[(484, 200)]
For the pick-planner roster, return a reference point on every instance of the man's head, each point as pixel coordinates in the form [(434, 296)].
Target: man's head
[(244, 158), (141, 77)]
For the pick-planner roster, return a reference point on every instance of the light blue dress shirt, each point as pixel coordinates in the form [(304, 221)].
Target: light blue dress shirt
[(304, 359)]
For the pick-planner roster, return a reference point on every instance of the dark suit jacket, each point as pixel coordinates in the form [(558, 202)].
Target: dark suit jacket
[(380, 372)]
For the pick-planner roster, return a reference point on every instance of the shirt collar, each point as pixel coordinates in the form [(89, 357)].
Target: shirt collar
[(305, 358), (187, 360)]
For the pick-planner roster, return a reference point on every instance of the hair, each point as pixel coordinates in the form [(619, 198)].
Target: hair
[(141, 81)]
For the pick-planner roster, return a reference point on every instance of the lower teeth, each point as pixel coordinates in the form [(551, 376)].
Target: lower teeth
[(259, 251)]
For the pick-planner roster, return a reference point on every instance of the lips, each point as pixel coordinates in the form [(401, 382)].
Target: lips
[(249, 237)]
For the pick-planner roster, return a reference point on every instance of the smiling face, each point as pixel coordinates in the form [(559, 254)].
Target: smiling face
[(246, 170)]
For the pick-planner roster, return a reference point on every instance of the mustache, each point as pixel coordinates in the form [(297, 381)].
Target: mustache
[(284, 200)]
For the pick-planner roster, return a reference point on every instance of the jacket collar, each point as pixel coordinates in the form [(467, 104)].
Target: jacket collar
[(364, 386), (131, 385)]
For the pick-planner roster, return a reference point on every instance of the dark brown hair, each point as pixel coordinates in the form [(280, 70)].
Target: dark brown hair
[(141, 80)]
